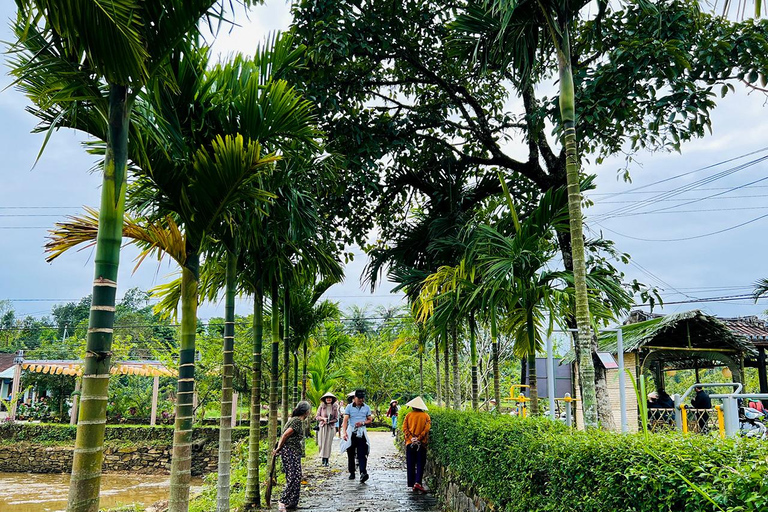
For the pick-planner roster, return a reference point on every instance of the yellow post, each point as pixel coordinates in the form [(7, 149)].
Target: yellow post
[(684, 416), (720, 421)]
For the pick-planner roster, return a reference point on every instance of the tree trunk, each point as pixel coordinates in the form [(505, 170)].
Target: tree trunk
[(286, 352), (456, 380), (252, 491), (275, 362), (447, 374), (438, 395), (304, 372), (583, 340), (523, 371), (604, 407), (85, 482), (495, 355), (532, 377), (421, 373), (225, 422), (295, 378), (473, 355), (181, 462)]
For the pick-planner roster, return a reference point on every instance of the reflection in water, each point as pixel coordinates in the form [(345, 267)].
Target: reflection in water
[(32, 492)]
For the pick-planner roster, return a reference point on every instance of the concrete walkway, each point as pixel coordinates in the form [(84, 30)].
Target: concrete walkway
[(329, 490)]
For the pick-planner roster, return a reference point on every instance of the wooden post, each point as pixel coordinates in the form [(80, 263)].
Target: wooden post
[(155, 390), (16, 385), (75, 402), (761, 372), (235, 397)]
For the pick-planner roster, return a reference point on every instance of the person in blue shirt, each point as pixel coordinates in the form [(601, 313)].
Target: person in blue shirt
[(357, 416)]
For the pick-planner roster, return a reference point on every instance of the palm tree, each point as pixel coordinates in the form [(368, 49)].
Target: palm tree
[(80, 55), (321, 378), (292, 244), (231, 161), (513, 270), (521, 29), (309, 314)]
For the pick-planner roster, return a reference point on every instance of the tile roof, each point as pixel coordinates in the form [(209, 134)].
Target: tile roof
[(6, 361), (751, 327)]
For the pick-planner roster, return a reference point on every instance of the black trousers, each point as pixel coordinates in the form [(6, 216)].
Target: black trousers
[(415, 458), (359, 448)]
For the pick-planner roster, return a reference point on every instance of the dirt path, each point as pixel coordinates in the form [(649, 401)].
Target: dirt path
[(329, 490)]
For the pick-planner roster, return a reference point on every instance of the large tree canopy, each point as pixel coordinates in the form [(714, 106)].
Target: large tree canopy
[(398, 103)]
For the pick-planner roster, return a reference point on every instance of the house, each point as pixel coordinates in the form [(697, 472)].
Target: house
[(6, 375), (657, 344)]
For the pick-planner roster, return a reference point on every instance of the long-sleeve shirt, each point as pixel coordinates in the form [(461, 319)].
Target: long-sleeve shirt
[(416, 424)]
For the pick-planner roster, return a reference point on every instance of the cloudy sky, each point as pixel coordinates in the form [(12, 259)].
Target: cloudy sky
[(695, 229)]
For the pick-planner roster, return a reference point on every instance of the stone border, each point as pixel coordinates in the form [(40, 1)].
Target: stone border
[(453, 497), (155, 459)]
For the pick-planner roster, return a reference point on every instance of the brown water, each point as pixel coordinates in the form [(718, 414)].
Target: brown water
[(33, 492)]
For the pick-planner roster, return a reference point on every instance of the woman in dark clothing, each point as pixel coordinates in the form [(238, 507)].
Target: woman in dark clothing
[(289, 448)]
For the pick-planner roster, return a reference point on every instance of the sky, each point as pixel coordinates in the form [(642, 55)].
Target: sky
[(689, 245)]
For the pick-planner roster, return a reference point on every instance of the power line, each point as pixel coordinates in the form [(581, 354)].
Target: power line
[(761, 150), (683, 189), (39, 207), (703, 210), (684, 238), (654, 192), (725, 298), (682, 199)]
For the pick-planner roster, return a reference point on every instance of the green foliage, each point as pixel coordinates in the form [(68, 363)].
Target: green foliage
[(535, 464), (322, 378), (206, 501)]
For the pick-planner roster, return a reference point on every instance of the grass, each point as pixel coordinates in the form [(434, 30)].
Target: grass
[(206, 501)]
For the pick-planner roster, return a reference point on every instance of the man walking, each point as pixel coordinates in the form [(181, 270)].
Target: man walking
[(357, 416)]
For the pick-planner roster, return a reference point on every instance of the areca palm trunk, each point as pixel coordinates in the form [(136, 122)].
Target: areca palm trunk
[(181, 462), (583, 340), (274, 361), (456, 381), (447, 374), (438, 395), (286, 351), (295, 377), (495, 356), (473, 355), (532, 376), (225, 422), (304, 372), (421, 372), (252, 491), (85, 482)]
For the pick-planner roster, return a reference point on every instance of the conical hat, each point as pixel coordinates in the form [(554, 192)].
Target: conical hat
[(351, 394), (328, 395), (417, 403)]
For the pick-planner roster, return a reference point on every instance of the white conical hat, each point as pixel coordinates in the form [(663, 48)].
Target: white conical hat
[(417, 403), (328, 395)]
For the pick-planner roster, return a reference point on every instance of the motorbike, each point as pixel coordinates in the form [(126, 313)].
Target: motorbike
[(752, 423)]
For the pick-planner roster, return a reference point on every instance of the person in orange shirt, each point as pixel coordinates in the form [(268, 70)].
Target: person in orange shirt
[(416, 434)]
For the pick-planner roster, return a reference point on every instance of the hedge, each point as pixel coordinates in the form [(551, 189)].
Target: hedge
[(539, 465), (57, 433)]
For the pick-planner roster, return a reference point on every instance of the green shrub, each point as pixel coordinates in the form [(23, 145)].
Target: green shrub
[(536, 464), (46, 433)]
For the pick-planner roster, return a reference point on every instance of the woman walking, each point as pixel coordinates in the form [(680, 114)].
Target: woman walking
[(327, 418), (416, 433), (289, 448), (392, 413)]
